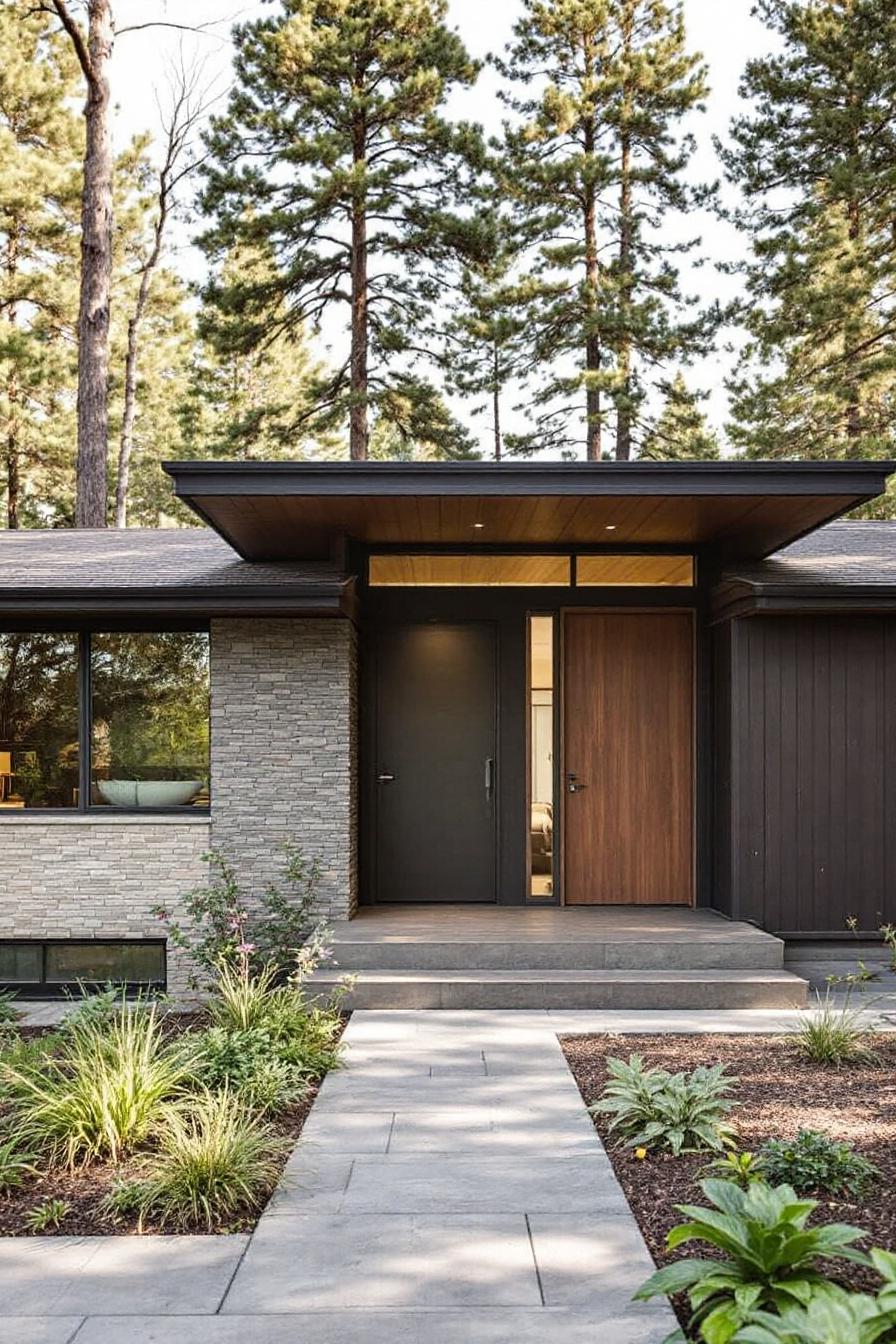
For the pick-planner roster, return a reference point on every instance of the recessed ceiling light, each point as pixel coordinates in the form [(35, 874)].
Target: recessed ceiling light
[(479, 524), (611, 527)]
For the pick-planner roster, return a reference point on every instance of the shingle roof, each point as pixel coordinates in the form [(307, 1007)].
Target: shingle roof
[(842, 554), (151, 564)]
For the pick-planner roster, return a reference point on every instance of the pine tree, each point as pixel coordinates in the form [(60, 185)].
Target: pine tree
[(680, 432), (93, 49), (594, 163), (487, 348), (41, 142), (815, 159), (256, 402), (335, 154)]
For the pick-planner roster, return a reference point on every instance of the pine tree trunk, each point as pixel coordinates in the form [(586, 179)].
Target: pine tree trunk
[(96, 263), (358, 429), (592, 335), (592, 290), (129, 416), (13, 482), (496, 401), (854, 405), (623, 409)]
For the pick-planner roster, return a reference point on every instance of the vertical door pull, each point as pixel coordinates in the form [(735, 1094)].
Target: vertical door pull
[(489, 776)]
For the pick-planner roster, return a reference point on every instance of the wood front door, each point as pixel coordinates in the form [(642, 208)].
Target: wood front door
[(436, 770), (628, 731)]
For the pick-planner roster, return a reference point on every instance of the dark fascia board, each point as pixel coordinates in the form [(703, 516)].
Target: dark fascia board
[(863, 479), (331, 599), (740, 598)]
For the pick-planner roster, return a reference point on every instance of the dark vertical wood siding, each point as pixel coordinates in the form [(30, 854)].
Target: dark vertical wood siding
[(806, 736)]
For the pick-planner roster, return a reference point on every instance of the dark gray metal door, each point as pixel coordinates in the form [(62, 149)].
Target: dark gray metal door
[(435, 763)]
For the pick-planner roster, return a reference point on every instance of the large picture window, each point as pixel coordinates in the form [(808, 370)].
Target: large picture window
[(109, 720)]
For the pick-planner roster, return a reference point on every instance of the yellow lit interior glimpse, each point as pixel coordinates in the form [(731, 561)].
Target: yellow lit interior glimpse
[(635, 571), (468, 571)]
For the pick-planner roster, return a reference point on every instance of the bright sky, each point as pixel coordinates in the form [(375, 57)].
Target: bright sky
[(723, 30)]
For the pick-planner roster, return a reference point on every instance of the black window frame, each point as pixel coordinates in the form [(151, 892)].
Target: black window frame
[(60, 989), (85, 728)]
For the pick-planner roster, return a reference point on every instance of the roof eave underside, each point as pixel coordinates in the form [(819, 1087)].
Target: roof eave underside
[(274, 511)]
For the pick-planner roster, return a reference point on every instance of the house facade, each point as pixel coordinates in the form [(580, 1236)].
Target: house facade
[(523, 686)]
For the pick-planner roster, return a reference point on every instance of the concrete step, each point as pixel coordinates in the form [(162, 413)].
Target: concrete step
[(566, 989), (754, 952)]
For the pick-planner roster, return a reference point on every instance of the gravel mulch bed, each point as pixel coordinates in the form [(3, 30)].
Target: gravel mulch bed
[(84, 1189), (779, 1093)]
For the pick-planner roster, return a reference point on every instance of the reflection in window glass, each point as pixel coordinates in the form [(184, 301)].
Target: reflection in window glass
[(541, 763), (21, 963), (38, 721), (115, 963), (150, 708)]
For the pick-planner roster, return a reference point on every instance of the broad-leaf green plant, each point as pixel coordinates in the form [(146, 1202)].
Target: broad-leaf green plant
[(767, 1256), (682, 1112), (742, 1168)]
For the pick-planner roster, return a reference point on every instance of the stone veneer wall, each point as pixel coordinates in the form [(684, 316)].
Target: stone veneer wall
[(284, 748), (98, 877)]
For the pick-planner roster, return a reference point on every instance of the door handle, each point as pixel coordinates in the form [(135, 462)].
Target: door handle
[(385, 779), (573, 783), (489, 776)]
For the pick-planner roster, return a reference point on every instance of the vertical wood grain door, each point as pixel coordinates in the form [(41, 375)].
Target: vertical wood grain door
[(436, 767), (628, 726)]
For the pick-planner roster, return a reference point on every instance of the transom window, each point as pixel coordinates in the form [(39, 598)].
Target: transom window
[(477, 570), (104, 720)]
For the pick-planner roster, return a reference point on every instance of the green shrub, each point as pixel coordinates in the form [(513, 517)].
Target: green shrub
[(215, 1160), (767, 1256), (303, 1036), (247, 1062), (833, 1034), (8, 1011), (812, 1161), (683, 1112), (102, 1092), (49, 1214), (742, 1168), (14, 1166), (220, 928)]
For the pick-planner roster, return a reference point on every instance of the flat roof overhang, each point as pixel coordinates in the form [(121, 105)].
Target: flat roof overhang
[(743, 510)]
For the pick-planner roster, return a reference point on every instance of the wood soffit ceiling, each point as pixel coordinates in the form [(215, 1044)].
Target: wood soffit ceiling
[(277, 511)]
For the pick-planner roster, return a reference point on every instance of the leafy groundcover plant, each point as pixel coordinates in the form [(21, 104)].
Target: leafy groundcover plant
[(812, 1161), (768, 1257), (681, 1112)]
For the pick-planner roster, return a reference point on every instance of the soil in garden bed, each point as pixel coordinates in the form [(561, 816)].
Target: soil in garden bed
[(85, 1189), (779, 1093)]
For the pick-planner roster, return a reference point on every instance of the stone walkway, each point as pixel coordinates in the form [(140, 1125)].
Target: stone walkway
[(449, 1188)]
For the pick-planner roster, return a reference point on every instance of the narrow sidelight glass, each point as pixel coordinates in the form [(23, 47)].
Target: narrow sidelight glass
[(541, 757)]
